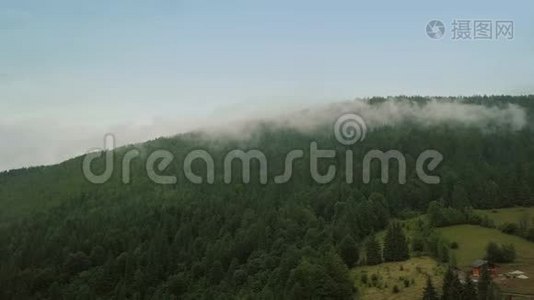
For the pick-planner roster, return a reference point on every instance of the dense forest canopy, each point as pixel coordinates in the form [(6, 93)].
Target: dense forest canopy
[(64, 237)]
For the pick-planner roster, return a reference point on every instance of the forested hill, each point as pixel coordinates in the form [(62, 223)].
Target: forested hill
[(62, 236)]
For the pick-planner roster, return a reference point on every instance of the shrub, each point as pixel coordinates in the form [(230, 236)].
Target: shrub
[(418, 244), (509, 228), (508, 253), (500, 254), (374, 279), (530, 235), (487, 222), (454, 245)]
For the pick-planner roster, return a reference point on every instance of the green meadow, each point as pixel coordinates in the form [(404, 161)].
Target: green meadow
[(472, 241), (408, 276), (508, 215)]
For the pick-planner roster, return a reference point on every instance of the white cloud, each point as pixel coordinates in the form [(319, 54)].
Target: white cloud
[(30, 141)]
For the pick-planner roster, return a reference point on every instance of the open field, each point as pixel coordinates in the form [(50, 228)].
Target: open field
[(508, 215), (472, 241), (414, 271)]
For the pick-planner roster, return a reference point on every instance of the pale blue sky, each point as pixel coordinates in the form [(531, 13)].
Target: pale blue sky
[(71, 72)]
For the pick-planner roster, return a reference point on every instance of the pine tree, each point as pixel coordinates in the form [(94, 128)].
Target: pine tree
[(373, 251), (349, 252), (216, 272), (390, 244), (484, 284), (448, 283), (395, 244), (340, 286), (404, 249), (430, 292), (298, 292)]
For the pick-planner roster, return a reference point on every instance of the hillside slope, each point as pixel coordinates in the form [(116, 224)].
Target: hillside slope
[(143, 240)]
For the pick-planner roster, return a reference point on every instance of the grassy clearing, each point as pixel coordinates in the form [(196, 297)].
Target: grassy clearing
[(388, 275), (408, 226), (509, 215), (472, 241)]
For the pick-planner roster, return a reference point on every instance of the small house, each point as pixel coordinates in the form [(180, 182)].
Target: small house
[(479, 264)]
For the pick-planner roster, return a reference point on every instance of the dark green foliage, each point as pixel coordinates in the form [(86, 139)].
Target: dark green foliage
[(140, 248), (530, 235), (446, 216), (448, 285), (326, 278), (364, 278), (373, 251), (500, 254), (76, 263), (435, 245), (509, 228), (395, 244), (418, 243), (485, 285), (487, 222), (454, 289), (443, 252), (98, 256), (493, 252), (62, 237), (177, 284), (521, 229), (374, 279), (349, 252), (430, 292)]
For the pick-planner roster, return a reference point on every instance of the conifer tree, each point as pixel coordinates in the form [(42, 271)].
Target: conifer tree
[(448, 282), (430, 292), (395, 244), (349, 252), (484, 284), (373, 251)]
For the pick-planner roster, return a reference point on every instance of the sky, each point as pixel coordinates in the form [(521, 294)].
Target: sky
[(72, 72)]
